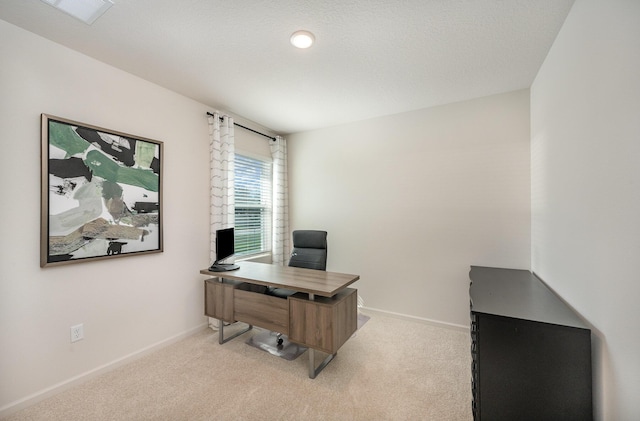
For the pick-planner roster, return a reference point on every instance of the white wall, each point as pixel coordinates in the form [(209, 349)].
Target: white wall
[(127, 304), (411, 200), (585, 131)]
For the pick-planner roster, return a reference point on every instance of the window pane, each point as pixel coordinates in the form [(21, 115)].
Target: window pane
[(253, 205)]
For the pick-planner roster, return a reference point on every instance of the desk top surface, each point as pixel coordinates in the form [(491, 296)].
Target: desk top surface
[(311, 281)]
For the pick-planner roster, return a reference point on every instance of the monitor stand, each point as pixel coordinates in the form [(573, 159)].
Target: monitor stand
[(219, 267)]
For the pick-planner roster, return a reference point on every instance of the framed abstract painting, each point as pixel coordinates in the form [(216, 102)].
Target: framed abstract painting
[(101, 193)]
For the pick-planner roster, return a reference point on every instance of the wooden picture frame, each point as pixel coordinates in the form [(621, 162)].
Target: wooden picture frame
[(101, 193)]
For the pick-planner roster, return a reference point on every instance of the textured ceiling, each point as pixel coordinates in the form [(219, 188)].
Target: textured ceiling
[(371, 57)]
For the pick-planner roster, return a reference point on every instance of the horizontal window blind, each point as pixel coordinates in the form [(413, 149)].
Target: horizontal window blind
[(253, 204)]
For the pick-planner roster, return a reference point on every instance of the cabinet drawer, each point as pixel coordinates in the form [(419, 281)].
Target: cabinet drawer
[(262, 310)]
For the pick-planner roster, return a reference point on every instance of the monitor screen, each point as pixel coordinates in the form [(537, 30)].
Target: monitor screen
[(224, 244)]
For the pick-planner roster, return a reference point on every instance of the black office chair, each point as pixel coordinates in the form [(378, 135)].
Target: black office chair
[(310, 252)]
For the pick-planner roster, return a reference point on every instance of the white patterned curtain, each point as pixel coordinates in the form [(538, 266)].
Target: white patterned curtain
[(221, 150), (221, 163), (280, 241)]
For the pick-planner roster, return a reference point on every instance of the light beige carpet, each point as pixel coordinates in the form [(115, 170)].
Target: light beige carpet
[(392, 369)]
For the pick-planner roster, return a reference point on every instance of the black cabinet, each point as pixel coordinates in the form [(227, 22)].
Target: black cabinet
[(531, 354)]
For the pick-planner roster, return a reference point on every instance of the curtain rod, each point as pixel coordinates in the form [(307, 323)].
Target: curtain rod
[(246, 128)]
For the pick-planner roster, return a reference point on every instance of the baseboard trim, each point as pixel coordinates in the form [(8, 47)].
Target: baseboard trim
[(461, 328), (81, 378)]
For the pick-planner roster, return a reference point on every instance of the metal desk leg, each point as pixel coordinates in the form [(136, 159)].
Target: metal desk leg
[(313, 370), (221, 338)]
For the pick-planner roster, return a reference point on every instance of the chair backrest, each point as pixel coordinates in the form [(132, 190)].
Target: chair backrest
[(309, 249)]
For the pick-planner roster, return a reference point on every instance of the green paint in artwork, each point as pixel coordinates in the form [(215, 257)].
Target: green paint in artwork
[(64, 137), (145, 152), (146, 179), (103, 167)]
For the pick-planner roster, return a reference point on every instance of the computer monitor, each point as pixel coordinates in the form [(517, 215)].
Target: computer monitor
[(225, 248)]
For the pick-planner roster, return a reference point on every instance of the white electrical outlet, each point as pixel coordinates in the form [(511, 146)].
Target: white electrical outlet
[(77, 333)]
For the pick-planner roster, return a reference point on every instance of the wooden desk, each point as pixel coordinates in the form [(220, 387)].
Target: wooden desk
[(321, 315)]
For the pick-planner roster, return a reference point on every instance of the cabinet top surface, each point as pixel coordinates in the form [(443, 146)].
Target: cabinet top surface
[(319, 282), (518, 294)]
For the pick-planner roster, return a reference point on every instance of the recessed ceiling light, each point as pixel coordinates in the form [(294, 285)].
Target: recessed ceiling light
[(85, 10), (302, 39)]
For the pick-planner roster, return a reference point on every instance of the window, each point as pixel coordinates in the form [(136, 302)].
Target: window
[(253, 205)]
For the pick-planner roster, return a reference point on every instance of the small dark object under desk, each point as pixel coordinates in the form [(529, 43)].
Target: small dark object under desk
[(531, 354)]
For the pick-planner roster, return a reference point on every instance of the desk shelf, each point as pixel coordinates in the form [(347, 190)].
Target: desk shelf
[(324, 324), (218, 299)]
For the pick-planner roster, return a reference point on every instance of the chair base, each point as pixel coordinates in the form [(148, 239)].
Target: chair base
[(268, 341)]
